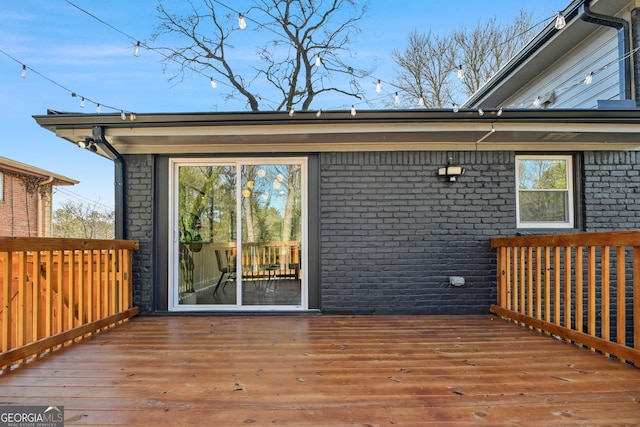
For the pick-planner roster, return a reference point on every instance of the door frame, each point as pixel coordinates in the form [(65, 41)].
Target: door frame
[(173, 234)]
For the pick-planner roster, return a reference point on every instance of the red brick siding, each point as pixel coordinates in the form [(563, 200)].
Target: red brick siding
[(18, 210)]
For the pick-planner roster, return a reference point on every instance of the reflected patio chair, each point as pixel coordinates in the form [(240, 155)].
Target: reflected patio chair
[(226, 268)]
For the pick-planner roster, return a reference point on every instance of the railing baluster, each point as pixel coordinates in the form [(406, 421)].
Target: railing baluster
[(530, 281), (567, 286), (7, 317), (605, 322), (538, 282), (636, 299), (557, 287), (579, 317), (591, 291), (547, 284), (621, 298)]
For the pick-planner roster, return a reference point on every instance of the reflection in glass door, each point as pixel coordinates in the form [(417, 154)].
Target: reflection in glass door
[(240, 233)]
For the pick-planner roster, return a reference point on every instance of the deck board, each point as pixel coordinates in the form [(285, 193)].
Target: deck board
[(327, 371)]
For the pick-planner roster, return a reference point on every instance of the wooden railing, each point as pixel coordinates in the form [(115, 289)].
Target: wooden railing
[(583, 288), (55, 291)]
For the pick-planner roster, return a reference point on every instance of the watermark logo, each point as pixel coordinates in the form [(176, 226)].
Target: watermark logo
[(31, 416)]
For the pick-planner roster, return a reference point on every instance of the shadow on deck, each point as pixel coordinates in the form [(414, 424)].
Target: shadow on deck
[(327, 371)]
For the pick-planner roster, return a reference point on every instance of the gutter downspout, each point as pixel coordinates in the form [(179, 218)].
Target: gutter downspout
[(41, 226), (624, 45), (119, 176)]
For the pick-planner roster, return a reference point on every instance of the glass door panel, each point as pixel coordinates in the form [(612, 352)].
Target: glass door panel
[(271, 234), (207, 233)]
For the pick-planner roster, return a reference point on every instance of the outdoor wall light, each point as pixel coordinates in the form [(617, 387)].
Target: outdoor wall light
[(88, 144), (452, 172)]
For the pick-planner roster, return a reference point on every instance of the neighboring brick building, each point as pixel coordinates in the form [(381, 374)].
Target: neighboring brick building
[(26, 199)]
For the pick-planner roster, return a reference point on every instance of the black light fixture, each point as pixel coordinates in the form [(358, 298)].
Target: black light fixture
[(451, 171)]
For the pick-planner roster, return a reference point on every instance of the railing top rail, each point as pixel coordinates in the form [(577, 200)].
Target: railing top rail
[(20, 244), (601, 238)]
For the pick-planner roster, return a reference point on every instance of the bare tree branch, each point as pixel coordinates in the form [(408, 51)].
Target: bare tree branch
[(299, 30)]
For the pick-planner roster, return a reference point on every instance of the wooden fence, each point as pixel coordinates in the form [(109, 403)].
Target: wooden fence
[(55, 291), (583, 288)]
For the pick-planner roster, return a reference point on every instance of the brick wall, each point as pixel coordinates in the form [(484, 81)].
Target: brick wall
[(19, 210), (139, 226), (393, 231), (612, 190)]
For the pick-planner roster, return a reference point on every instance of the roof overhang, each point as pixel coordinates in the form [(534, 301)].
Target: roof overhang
[(266, 132), (55, 179)]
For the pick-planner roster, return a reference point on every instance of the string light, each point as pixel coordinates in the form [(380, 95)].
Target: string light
[(456, 108), (421, 101), (318, 61), (353, 110), (589, 78), (241, 22), (560, 21), (23, 72), (397, 98), (536, 102), (379, 87), (499, 113), (213, 83), (460, 72), (123, 116), (136, 51), (318, 113), (82, 102), (98, 108), (291, 112), (480, 112)]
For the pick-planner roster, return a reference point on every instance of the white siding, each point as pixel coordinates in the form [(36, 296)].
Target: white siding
[(597, 54)]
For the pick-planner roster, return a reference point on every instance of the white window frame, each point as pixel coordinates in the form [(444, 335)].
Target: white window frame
[(570, 223)]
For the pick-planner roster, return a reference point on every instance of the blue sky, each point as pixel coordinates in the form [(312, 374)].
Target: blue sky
[(87, 57)]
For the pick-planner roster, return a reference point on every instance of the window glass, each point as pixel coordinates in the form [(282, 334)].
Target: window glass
[(544, 191)]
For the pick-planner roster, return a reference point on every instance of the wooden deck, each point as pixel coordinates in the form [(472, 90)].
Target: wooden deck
[(327, 371)]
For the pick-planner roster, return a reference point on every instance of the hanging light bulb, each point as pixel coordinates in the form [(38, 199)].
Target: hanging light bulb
[(98, 108), (241, 22), (132, 117), (397, 98), (213, 83), (560, 21), (589, 78), (23, 72), (421, 101), (123, 116), (379, 87), (456, 108), (82, 102), (318, 61), (136, 51), (353, 110), (499, 113), (460, 72), (318, 113), (536, 102), (480, 112), (291, 112)]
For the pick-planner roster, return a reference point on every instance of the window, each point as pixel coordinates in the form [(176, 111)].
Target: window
[(544, 191)]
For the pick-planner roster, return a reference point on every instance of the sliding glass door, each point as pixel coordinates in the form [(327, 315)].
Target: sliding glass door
[(239, 234)]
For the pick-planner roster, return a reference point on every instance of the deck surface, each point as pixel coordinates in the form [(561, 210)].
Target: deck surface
[(327, 371)]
